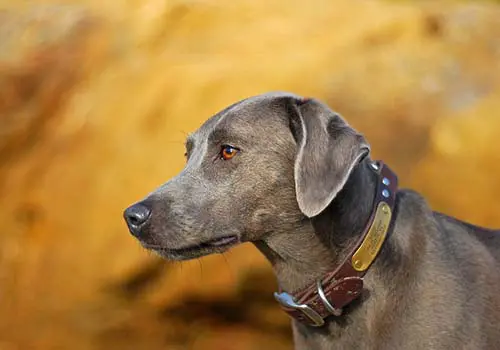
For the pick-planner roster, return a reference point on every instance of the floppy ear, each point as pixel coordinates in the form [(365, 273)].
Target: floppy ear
[(328, 150)]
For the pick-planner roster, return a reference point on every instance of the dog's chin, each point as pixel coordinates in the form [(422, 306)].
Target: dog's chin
[(215, 246)]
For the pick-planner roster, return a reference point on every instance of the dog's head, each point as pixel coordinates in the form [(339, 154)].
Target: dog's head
[(260, 166)]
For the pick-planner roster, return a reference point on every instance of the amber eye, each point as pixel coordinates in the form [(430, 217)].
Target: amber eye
[(228, 152)]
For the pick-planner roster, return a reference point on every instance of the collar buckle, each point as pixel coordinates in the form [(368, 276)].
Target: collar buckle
[(287, 301)]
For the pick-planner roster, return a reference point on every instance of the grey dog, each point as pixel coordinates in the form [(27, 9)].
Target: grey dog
[(294, 178)]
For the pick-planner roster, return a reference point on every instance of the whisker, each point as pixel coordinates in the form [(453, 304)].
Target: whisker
[(185, 133), (201, 267), (228, 267), (177, 142)]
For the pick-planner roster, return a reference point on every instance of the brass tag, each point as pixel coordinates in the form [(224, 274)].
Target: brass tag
[(366, 253)]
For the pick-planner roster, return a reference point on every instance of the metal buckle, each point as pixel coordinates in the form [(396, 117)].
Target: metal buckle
[(334, 311), (286, 300)]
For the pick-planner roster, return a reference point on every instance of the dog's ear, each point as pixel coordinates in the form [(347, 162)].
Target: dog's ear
[(328, 149)]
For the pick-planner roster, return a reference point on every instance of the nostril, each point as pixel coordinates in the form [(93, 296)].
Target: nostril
[(134, 220), (137, 215)]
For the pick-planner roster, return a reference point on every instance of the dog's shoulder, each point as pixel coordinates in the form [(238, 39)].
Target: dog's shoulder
[(489, 237), (414, 206)]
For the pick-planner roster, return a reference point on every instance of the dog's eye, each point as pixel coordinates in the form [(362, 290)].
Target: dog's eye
[(228, 152)]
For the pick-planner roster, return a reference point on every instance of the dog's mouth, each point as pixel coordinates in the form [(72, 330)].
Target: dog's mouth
[(216, 245)]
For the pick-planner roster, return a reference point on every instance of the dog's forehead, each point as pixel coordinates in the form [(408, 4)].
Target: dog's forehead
[(241, 115)]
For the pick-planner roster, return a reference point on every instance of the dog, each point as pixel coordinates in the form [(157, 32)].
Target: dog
[(360, 263)]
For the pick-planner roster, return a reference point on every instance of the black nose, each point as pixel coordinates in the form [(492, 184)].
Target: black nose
[(136, 216)]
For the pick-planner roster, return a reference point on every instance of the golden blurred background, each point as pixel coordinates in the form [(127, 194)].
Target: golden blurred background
[(96, 97)]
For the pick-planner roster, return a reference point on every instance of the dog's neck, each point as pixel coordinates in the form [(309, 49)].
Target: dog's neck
[(318, 245)]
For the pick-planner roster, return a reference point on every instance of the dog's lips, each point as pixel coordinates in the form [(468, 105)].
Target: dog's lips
[(216, 245), (223, 241)]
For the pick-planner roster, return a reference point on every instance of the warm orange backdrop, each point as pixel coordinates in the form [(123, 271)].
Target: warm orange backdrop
[(96, 97)]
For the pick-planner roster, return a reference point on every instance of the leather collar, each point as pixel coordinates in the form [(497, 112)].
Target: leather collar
[(340, 287)]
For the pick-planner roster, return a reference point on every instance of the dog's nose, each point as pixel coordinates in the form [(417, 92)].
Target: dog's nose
[(136, 216)]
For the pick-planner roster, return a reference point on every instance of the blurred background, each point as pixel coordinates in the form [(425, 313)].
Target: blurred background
[(97, 96)]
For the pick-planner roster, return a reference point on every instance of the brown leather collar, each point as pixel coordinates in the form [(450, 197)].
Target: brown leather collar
[(340, 287)]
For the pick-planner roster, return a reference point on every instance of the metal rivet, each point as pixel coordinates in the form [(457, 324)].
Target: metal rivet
[(386, 181), (374, 166), (385, 208), (358, 264), (385, 193)]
